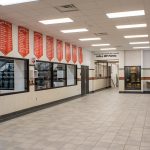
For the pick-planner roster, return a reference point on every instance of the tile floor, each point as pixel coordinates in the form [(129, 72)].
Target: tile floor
[(101, 121)]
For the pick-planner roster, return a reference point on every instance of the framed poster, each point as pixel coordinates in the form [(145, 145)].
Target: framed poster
[(80, 55), (59, 50), (5, 37), (132, 77), (67, 52), (74, 54), (23, 41), (50, 47), (38, 45)]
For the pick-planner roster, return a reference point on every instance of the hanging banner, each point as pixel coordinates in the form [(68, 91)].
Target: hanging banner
[(67, 52), (38, 45), (50, 47), (59, 50), (74, 54), (23, 41), (80, 55), (5, 37)]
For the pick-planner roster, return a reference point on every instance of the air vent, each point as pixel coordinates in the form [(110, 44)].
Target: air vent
[(101, 34), (67, 8)]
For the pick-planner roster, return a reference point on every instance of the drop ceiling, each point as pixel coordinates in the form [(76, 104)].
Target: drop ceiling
[(91, 14)]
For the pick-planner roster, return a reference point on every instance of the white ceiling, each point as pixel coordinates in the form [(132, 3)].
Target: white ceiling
[(91, 15)]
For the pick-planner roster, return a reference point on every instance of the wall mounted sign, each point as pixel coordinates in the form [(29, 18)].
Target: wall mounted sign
[(67, 52), (38, 45), (23, 41), (5, 37), (74, 54), (59, 50), (80, 55), (50, 47), (107, 55)]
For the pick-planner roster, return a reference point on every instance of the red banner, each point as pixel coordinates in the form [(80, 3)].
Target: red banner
[(23, 41), (50, 47), (59, 50), (5, 37), (80, 55), (74, 54), (38, 45), (67, 52)]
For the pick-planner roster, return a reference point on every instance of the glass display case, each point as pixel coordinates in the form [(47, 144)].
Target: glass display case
[(13, 75), (132, 78), (44, 75), (6, 74), (59, 75), (71, 75)]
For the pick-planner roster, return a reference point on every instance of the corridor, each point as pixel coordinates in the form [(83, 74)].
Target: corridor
[(104, 120)]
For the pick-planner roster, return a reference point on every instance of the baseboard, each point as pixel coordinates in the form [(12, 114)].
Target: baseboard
[(134, 92), (23, 112), (146, 92), (99, 90)]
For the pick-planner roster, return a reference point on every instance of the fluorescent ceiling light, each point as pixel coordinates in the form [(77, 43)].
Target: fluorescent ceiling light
[(75, 30), (100, 44), (131, 26), (135, 36), (144, 47), (145, 42), (126, 14), (90, 39), (12, 2), (56, 21), (103, 49)]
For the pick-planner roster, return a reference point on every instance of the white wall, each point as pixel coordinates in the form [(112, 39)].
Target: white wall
[(146, 70), (15, 102), (135, 58)]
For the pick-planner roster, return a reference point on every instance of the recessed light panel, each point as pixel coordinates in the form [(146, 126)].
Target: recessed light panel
[(100, 44), (131, 26), (103, 49), (75, 30), (56, 21), (90, 39), (126, 14), (12, 2), (144, 42), (135, 36), (144, 47)]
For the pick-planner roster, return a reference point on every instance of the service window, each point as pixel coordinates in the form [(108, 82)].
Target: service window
[(13, 75), (71, 75), (43, 80), (59, 75)]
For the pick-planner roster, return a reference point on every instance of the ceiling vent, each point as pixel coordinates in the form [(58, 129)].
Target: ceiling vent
[(67, 8), (101, 34)]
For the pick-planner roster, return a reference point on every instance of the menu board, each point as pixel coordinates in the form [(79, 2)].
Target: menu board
[(67, 52), (59, 50), (80, 55), (5, 37), (23, 41), (50, 47), (74, 53), (38, 45)]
